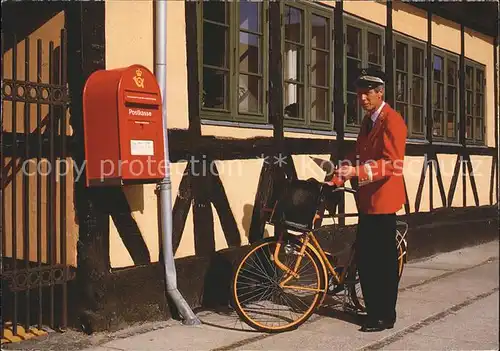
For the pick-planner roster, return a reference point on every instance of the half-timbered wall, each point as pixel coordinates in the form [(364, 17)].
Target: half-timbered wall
[(225, 203)]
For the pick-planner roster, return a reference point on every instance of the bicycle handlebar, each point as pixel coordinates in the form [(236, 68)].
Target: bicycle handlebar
[(343, 188), (338, 185)]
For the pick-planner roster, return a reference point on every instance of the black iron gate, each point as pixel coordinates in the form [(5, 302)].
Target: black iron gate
[(34, 178)]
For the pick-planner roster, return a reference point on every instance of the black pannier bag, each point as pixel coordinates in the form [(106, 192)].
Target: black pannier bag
[(298, 203)]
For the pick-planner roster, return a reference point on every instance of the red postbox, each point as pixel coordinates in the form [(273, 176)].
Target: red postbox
[(122, 115)]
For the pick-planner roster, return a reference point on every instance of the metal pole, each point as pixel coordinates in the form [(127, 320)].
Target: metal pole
[(165, 185)]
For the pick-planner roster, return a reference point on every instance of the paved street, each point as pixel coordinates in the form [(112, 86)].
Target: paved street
[(449, 301)]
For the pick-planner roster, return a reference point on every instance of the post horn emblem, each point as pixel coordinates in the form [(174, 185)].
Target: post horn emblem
[(138, 79)]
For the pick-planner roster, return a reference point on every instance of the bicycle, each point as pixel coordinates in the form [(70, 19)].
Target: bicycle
[(281, 261)]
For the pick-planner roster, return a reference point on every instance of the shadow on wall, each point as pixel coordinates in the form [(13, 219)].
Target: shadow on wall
[(135, 197), (120, 204), (247, 220)]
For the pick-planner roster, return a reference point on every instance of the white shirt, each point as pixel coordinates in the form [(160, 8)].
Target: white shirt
[(375, 114)]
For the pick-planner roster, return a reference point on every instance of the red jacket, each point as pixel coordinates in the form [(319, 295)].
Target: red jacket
[(378, 158)]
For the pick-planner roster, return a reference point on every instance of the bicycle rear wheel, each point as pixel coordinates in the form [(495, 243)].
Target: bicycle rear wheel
[(259, 299)]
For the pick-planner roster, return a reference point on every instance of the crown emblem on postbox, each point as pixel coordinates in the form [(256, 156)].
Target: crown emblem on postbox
[(139, 81)]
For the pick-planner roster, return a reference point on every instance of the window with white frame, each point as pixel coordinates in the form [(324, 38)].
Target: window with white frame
[(364, 47), (445, 115), (410, 83), (475, 89)]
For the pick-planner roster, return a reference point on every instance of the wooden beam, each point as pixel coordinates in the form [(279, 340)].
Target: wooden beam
[(338, 94), (270, 176), (183, 149), (496, 80), (276, 76), (338, 91), (85, 22), (461, 77), (192, 67), (428, 116), (389, 58)]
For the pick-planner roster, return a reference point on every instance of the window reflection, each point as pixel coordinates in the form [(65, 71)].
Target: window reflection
[(250, 89), (215, 79), (293, 62)]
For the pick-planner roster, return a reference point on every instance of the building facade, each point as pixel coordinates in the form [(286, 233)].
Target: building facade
[(256, 91)]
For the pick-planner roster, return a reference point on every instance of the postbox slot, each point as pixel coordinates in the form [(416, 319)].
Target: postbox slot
[(140, 98), (141, 106)]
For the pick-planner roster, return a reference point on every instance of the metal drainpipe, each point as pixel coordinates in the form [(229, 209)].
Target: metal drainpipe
[(165, 185)]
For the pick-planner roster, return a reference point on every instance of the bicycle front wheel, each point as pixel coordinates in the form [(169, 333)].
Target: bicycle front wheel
[(260, 300)]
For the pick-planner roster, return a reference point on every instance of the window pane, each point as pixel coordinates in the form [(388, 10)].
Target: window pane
[(319, 68), (250, 53), (418, 61), (418, 120), (250, 15), (479, 105), (293, 62), (293, 100), (452, 72), (403, 110), (479, 80), (374, 66), (452, 99), (352, 109), (479, 129), (450, 125), (250, 94), (215, 44), (374, 48), (353, 42), (353, 67), (437, 96), (468, 128), (293, 24), (319, 32), (469, 102), (401, 56), (401, 87), (437, 127), (215, 89), (217, 11), (319, 104), (438, 67), (469, 77), (417, 91)]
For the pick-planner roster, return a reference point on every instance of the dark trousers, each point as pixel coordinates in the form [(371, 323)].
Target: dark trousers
[(376, 256)]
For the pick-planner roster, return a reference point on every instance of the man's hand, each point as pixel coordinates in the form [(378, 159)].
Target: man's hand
[(346, 172)]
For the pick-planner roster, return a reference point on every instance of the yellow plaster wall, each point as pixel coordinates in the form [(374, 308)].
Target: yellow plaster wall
[(47, 31), (129, 40), (177, 94), (240, 177), (235, 132), (409, 20), (445, 34), (374, 11), (327, 3), (482, 167)]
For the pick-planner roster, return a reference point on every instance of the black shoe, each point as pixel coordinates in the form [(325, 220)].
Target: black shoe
[(377, 325)]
